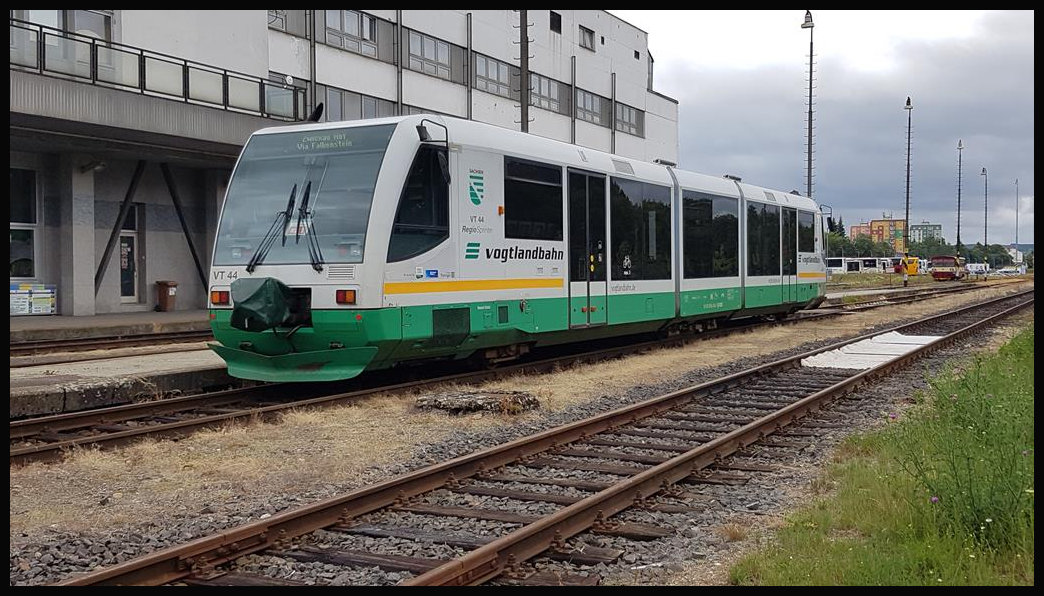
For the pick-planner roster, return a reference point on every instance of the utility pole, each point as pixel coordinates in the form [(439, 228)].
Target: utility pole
[(809, 25), (523, 77), (906, 223), (1016, 216), (960, 148), (985, 205)]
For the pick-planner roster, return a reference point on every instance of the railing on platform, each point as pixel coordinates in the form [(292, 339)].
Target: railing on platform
[(54, 52)]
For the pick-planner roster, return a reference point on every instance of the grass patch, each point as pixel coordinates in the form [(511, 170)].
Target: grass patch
[(942, 496), (732, 532), (874, 280)]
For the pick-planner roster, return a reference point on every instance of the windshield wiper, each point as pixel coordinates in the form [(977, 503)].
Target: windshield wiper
[(281, 219), (315, 255)]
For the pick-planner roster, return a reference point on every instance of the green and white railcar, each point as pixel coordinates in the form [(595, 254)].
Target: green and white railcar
[(349, 246)]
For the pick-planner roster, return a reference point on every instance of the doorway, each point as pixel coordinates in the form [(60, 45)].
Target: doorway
[(587, 249)]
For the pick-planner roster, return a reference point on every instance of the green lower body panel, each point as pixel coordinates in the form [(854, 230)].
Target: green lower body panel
[(319, 365), (342, 343)]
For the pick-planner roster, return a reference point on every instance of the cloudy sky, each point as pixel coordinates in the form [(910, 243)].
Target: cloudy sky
[(741, 81)]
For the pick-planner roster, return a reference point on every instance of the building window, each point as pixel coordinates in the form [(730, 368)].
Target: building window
[(289, 21), (556, 21), (353, 31), (429, 55), (591, 107), (630, 120), (587, 38), (277, 19), (348, 105), (641, 229), (281, 93), (493, 76), (532, 200), (23, 223), (92, 23), (637, 55), (548, 94), (422, 220), (711, 235)]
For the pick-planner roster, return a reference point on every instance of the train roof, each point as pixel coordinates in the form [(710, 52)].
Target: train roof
[(481, 134)]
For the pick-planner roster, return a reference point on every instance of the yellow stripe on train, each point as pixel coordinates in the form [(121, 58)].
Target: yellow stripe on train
[(466, 285)]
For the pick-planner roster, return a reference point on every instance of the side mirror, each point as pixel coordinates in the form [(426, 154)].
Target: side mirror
[(317, 113)]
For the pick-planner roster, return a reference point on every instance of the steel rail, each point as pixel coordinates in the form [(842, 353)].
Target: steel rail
[(50, 451), (33, 347), (24, 429), (490, 560), (201, 556)]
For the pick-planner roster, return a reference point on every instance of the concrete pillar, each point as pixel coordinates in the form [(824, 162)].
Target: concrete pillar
[(76, 196), (214, 184)]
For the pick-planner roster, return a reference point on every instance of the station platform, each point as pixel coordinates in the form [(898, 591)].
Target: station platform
[(49, 327), (132, 374), (72, 386), (139, 374)]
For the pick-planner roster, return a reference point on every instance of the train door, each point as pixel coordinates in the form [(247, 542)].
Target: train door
[(788, 251), (587, 249)]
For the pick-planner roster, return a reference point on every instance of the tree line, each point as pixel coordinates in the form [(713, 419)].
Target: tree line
[(839, 245)]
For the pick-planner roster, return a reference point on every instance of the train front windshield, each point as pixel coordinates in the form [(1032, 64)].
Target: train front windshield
[(312, 188)]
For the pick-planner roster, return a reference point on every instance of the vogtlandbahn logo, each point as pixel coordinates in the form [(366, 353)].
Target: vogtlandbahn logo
[(472, 250), (476, 187)]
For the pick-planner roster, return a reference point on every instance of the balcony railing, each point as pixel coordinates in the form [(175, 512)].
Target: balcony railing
[(53, 52)]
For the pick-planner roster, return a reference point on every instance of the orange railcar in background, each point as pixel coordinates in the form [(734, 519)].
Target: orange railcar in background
[(947, 267)]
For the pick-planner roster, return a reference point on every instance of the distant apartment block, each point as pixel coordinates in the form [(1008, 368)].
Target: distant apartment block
[(925, 231)]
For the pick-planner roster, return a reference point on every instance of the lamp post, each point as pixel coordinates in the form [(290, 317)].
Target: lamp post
[(1016, 218), (1016, 221), (906, 223), (985, 203), (960, 148), (808, 25)]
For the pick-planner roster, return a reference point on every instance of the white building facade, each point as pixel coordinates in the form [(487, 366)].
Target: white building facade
[(125, 124), (925, 231)]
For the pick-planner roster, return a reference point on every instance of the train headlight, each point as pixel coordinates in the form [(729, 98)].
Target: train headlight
[(345, 296), (219, 297)]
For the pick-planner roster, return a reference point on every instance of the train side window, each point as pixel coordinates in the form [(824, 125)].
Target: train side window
[(790, 241), (641, 229), (806, 232), (762, 239), (711, 233), (422, 218), (532, 200)]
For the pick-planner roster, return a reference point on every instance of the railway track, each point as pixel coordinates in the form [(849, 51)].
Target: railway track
[(539, 510), (35, 353), (82, 344), (50, 437)]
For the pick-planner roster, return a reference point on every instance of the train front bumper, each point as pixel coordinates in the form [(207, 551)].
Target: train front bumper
[(319, 365)]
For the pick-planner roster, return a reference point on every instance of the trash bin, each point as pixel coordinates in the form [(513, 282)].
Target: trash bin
[(166, 292)]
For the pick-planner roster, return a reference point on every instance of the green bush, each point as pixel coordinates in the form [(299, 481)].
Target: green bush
[(943, 495), (972, 453)]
